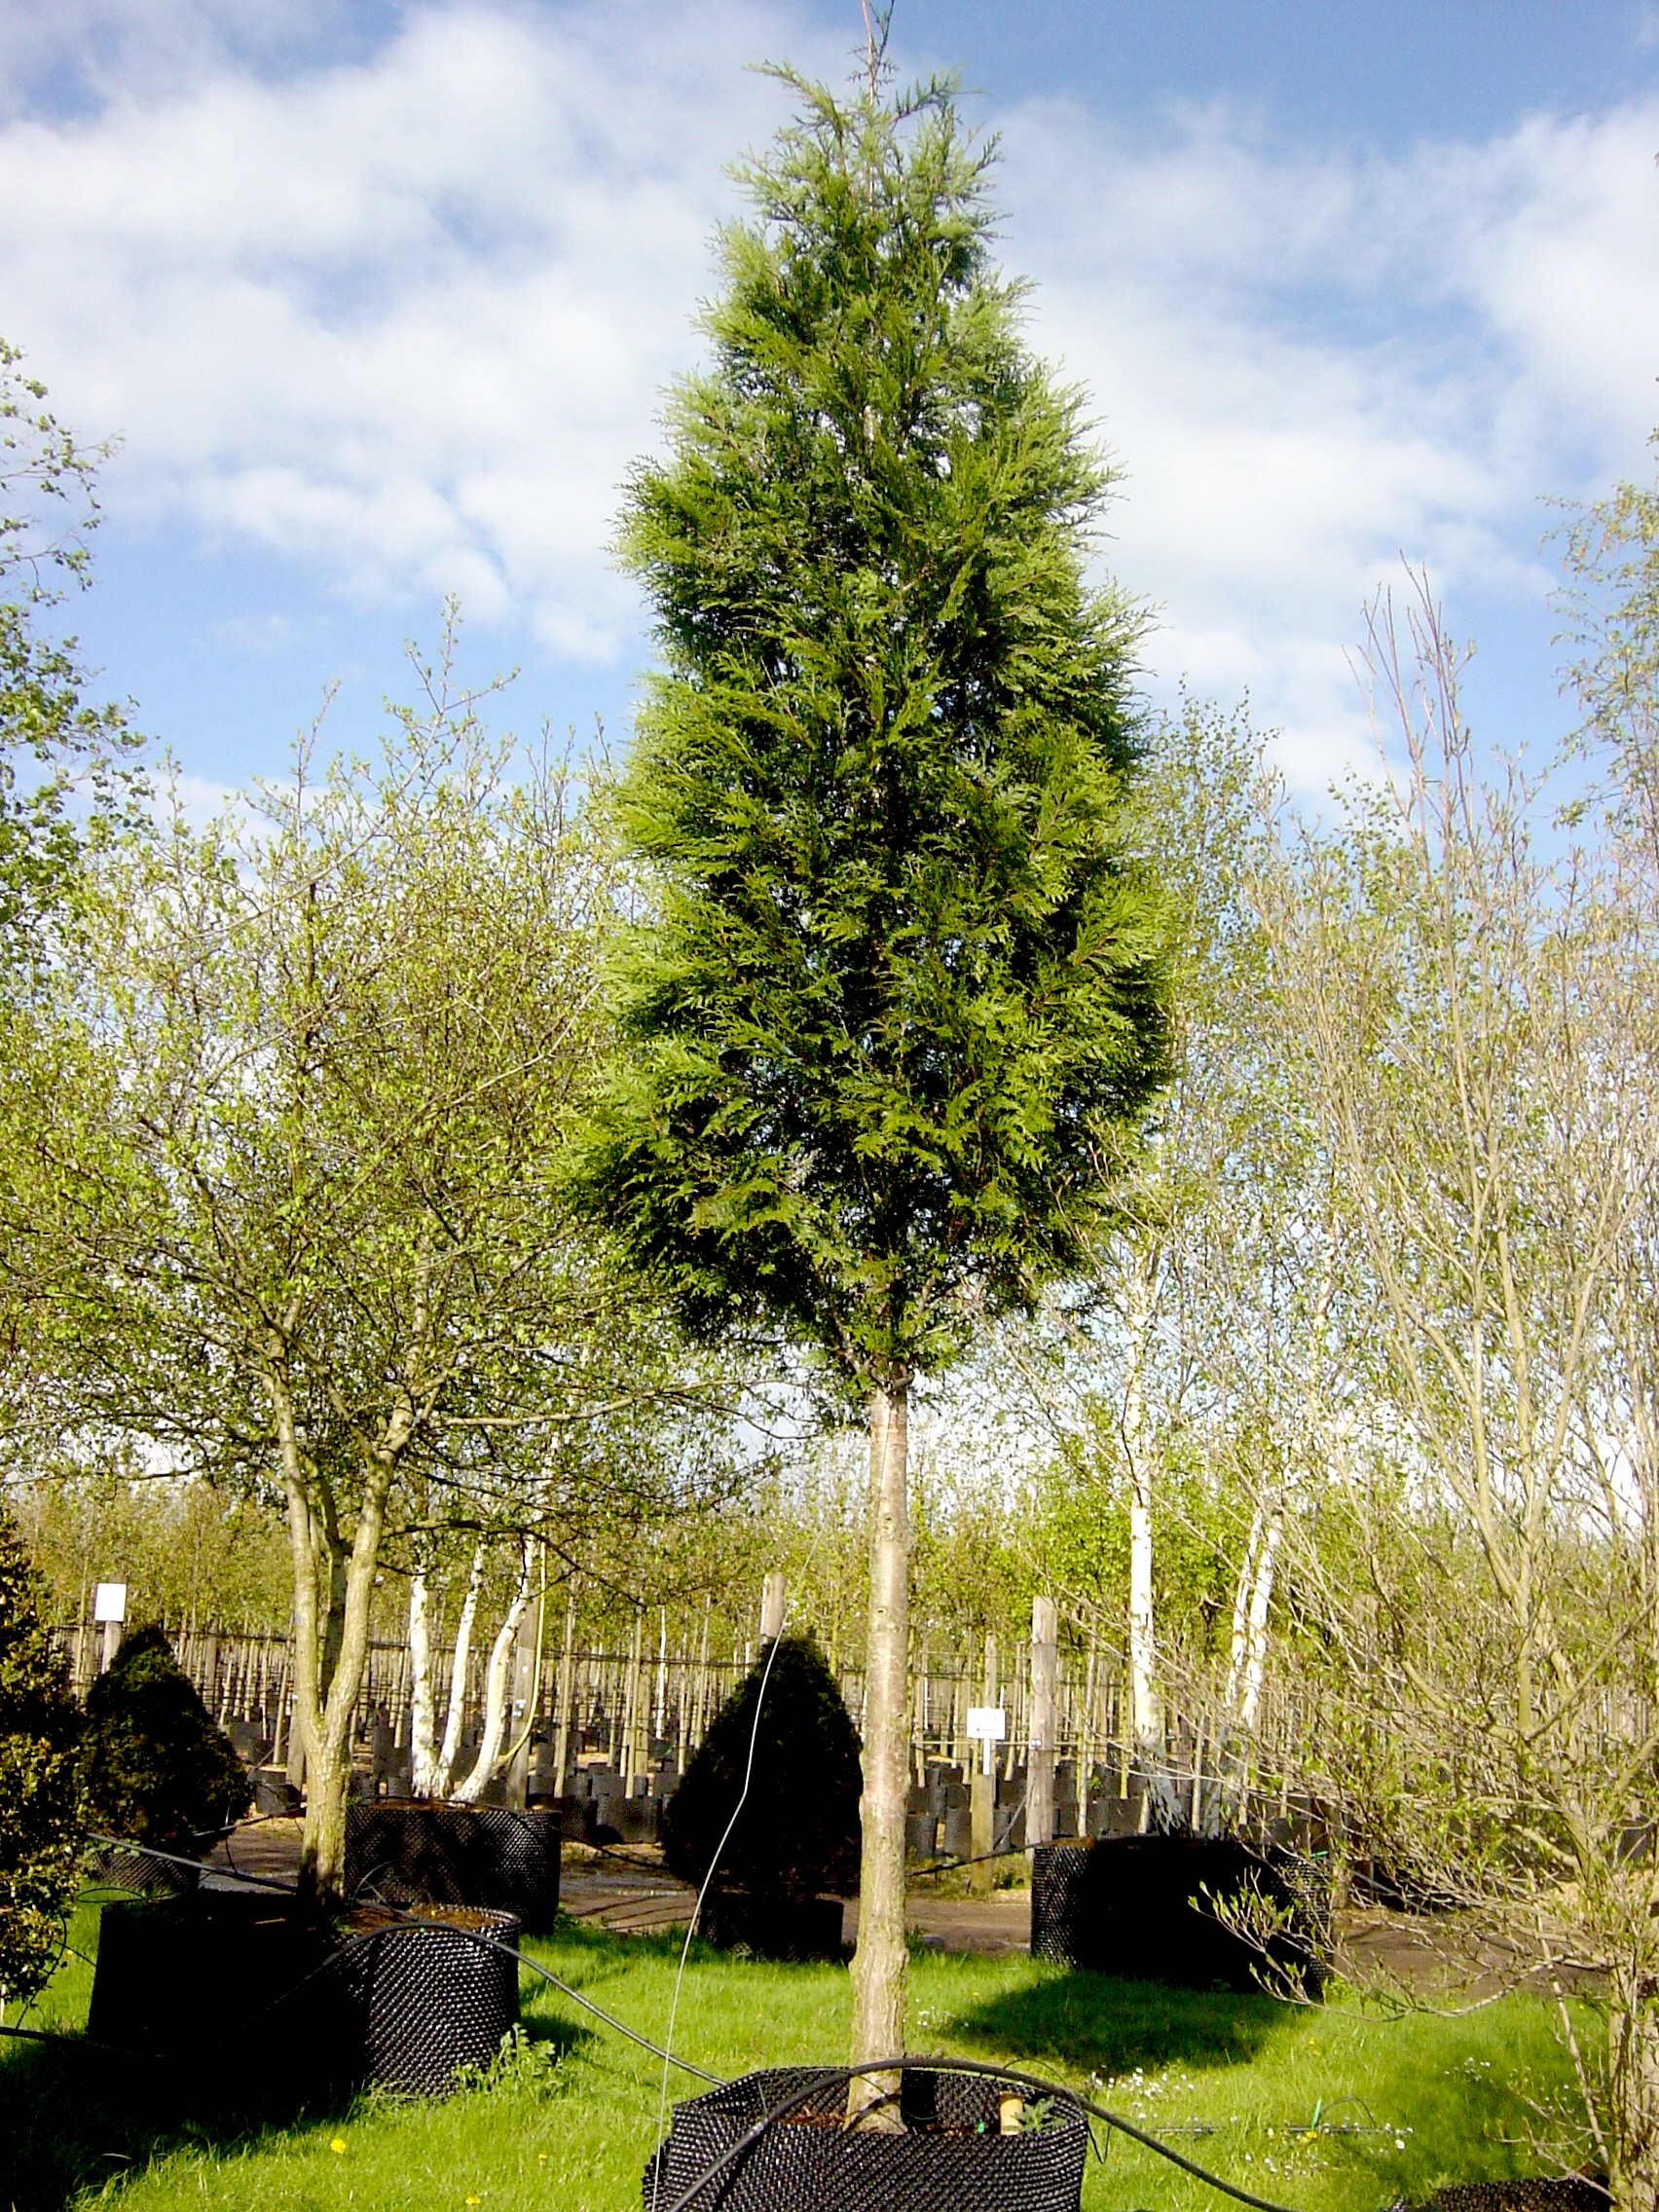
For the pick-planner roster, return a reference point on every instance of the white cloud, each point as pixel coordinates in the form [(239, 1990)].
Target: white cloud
[(1310, 366), (405, 318), (403, 314)]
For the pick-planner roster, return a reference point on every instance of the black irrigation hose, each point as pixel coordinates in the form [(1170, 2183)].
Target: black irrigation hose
[(827, 2079)]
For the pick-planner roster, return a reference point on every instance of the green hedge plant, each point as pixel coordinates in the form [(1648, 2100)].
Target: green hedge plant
[(797, 1833), (158, 1768), (41, 1824)]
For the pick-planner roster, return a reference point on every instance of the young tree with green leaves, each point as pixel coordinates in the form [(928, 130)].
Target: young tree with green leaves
[(888, 1034), (289, 1159), (52, 738)]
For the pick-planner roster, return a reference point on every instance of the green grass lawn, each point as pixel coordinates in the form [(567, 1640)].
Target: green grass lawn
[(568, 2121)]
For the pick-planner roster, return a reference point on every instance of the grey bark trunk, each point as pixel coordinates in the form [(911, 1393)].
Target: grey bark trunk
[(880, 1961)]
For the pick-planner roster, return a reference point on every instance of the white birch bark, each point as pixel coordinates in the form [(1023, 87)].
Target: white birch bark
[(495, 1716), (1146, 1709), (1255, 1627), (449, 1751), (422, 1726)]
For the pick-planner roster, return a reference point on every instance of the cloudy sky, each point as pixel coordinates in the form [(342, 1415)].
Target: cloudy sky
[(379, 299)]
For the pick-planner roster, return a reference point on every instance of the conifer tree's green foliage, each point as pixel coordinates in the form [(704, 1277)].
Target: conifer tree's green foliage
[(157, 1767), (897, 1010), (41, 1827), (886, 1039), (798, 1830)]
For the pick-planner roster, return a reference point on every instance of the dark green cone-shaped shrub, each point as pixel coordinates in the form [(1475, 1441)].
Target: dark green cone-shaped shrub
[(157, 1767), (799, 1831), (41, 1827)]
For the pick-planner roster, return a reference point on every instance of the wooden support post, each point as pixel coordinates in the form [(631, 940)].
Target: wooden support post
[(1039, 1756), (773, 1593), (631, 1708), (982, 1789), (566, 1696)]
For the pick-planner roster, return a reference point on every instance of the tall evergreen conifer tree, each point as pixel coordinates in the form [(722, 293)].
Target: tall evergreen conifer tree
[(888, 1036)]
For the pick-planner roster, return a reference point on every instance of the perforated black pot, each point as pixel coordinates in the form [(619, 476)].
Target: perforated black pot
[(1126, 1905), (951, 2156), (426, 2002), (264, 2004), (489, 1856), (1538, 2193), (772, 1928), (128, 1867)]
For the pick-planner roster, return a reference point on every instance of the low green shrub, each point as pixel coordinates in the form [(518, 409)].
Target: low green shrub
[(157, 1766), (799, 1831), (41, 1816)]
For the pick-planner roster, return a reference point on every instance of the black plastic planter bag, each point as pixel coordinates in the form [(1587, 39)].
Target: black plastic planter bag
[(951, 2158), (266, 2005), (488, 1856), (138, 1872), (427, 2001), (1126, 1907), (1542, 2193), (772, 1928)]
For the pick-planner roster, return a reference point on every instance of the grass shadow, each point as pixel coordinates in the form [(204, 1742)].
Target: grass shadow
[(75, 2117), (1097, 2024)]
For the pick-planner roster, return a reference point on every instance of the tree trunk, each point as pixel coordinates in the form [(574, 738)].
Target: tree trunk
[(1256, 1640), (880, 1961), (328, 1760), (456, 1710), (1633, 2079), (495, 1702), (423, 1722), (1146, 1711)]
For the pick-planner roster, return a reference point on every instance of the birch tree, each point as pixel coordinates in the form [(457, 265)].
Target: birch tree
[(1477, 998)]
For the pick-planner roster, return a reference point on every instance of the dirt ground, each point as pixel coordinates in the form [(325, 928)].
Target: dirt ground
[(625, 1889)]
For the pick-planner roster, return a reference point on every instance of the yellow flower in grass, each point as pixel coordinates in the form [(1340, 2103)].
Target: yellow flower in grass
[(338, 2144)]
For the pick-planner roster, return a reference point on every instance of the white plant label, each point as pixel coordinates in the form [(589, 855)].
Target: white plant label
[(109, 1602), (987, 1723)]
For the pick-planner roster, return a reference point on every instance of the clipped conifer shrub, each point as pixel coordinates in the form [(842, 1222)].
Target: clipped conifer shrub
[(157, 1767), (41, 1825), (799, 1831)]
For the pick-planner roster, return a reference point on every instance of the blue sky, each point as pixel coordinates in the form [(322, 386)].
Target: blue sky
[(380, 298)]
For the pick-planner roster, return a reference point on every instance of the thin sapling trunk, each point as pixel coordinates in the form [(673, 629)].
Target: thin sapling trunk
[(879, 1963)]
